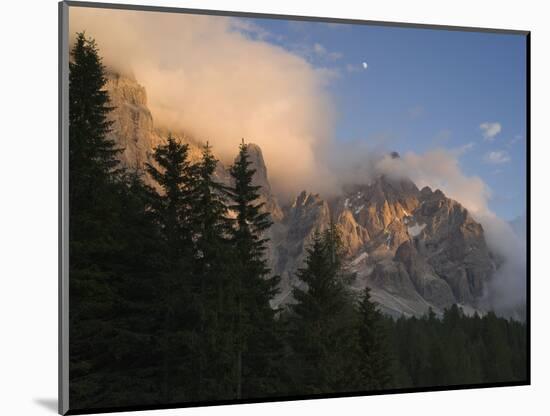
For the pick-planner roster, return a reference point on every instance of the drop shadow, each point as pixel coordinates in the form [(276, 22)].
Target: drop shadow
[(49, 404)]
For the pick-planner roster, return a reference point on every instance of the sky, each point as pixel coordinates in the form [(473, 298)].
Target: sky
[(416, 90), (320, 97)]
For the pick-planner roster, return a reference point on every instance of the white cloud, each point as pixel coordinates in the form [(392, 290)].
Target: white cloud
[(440, 169), (322, 52), (247, 27), (497, 157), (490, 130), (314, 52), (319, 49), (517, 138), (365, 65), (459, 151)]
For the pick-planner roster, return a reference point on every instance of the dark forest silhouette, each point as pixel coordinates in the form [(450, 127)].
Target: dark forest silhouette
[(170, 289)]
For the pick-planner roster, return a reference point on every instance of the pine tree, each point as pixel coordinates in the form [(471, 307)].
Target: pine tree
[(134, 358), (211, 226), (254, 318), (172, 211), (92, 155), (375, 361), (171, 206), (323, 320), (95, 190)]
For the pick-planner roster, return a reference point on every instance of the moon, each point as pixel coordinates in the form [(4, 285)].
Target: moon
[(365, 65)]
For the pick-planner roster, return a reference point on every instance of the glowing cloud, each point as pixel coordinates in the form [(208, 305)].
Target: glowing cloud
[(216, 79)]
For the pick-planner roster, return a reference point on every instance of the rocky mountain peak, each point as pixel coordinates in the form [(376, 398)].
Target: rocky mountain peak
[(305, 199), (426, 191), (257, 159), (260, 178), (132, 128)]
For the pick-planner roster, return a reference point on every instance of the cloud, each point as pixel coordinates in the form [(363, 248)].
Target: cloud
[(516, 139), (440, 169), (215, 79), (497, 157), (490, 130), (255, 31), (323, 53), (314, 53), (461, 150), (506, 292)]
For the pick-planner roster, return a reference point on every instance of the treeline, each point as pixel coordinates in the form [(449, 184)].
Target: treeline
[(456, 349), (170, 289)]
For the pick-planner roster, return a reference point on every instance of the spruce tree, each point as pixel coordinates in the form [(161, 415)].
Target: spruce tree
[(323, 321), (95, 190), (213, 358), (256, 349), (375, 361), (134, 357), (171, 210), (92, 155)]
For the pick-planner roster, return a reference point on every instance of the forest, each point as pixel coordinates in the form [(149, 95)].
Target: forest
[(170, 288)]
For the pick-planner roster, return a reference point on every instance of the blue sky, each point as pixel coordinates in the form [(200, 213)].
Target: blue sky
[(424, 89)]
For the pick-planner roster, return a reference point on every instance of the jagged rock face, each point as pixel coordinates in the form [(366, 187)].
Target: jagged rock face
[(455, 245), (377, 208), (307, 214), (354, 236), (418, 249), (132, 127), (423, 277), (415, 248), (260, 179), (133, 130)]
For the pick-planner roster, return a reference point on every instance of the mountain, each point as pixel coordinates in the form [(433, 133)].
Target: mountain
[(132, 127), (306, 214), (416, 249)]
